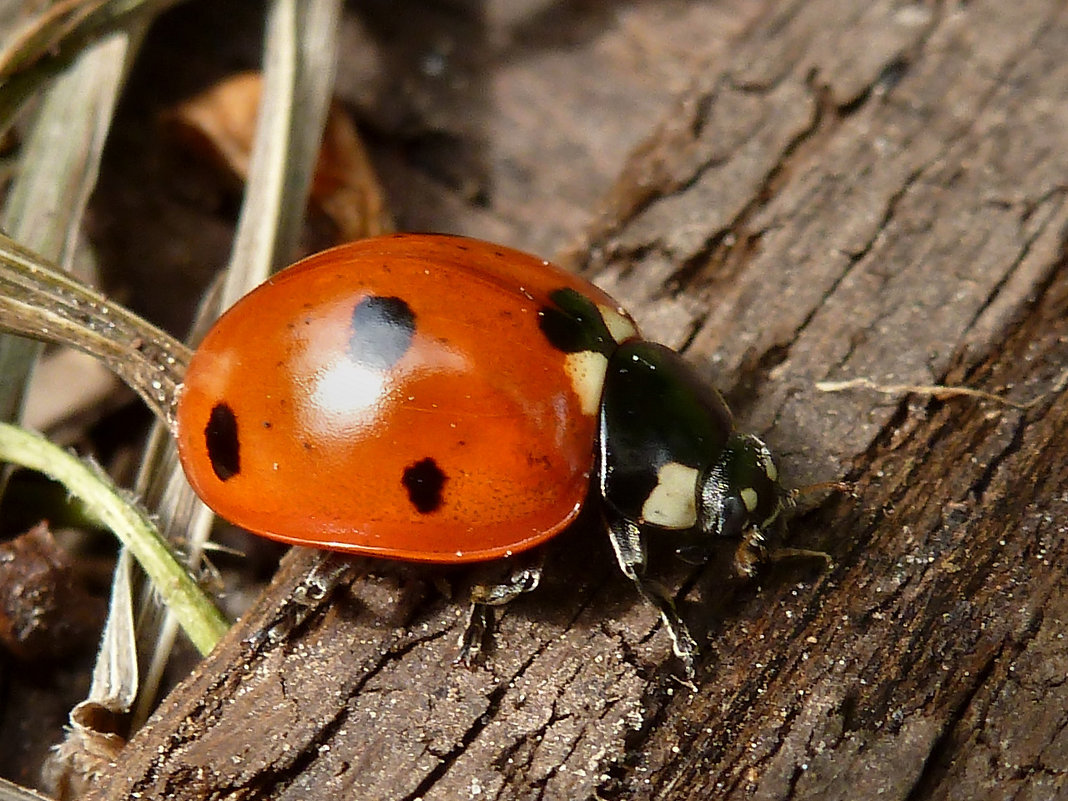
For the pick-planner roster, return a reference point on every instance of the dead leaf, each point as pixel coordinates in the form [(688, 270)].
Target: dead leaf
[(220, 123)]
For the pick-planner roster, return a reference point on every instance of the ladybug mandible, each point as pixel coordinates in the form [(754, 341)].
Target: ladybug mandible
[(441, 399)]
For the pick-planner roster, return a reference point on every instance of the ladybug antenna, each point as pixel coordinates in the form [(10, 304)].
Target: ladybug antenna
[(789, 505), (808, 489), (790, 501)]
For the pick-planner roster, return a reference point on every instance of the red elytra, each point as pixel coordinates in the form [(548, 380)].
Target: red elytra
[(396, 397)]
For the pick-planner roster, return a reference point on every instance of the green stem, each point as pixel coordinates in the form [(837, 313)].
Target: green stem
[(198, 616)]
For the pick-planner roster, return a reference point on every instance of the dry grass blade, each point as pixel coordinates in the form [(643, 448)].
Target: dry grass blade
[(53, 40), (12, 792), (57, 172), (39, 301), (298, 82)]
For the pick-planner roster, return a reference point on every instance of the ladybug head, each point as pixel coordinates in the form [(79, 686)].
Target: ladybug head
[(740, 496)]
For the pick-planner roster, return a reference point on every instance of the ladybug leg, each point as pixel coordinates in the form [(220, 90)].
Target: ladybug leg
[(751, 551), (474, 633), (783, 554), (525, 578), (630, 553)]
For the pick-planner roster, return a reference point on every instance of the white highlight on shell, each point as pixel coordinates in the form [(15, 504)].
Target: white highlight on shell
[(587, 369), (673, 501), (749, 498), (618, 324), (348, 391)]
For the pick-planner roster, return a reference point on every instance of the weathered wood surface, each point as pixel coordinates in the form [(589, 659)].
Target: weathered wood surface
[(873, 190)]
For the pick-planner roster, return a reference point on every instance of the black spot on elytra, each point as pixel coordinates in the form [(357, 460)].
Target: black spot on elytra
[(424, 481), (574, 324), (382, 331), (222, 441)]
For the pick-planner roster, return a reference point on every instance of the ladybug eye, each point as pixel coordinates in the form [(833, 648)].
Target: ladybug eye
[(733, 517)]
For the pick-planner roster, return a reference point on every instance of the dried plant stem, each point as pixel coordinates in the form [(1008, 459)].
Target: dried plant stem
[(39, 301)]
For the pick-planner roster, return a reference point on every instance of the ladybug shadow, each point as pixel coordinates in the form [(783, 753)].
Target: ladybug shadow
[(574, 565), (582, 590), (385, 598)]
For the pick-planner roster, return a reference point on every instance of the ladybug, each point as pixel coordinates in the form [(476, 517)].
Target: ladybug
[(441, 399)]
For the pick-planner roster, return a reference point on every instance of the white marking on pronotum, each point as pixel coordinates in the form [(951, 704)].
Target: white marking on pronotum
[(673, 501), (587, 369), (749, 498), (618, 324)]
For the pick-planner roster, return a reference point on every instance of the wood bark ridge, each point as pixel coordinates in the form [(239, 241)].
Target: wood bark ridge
[(875, 190)]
